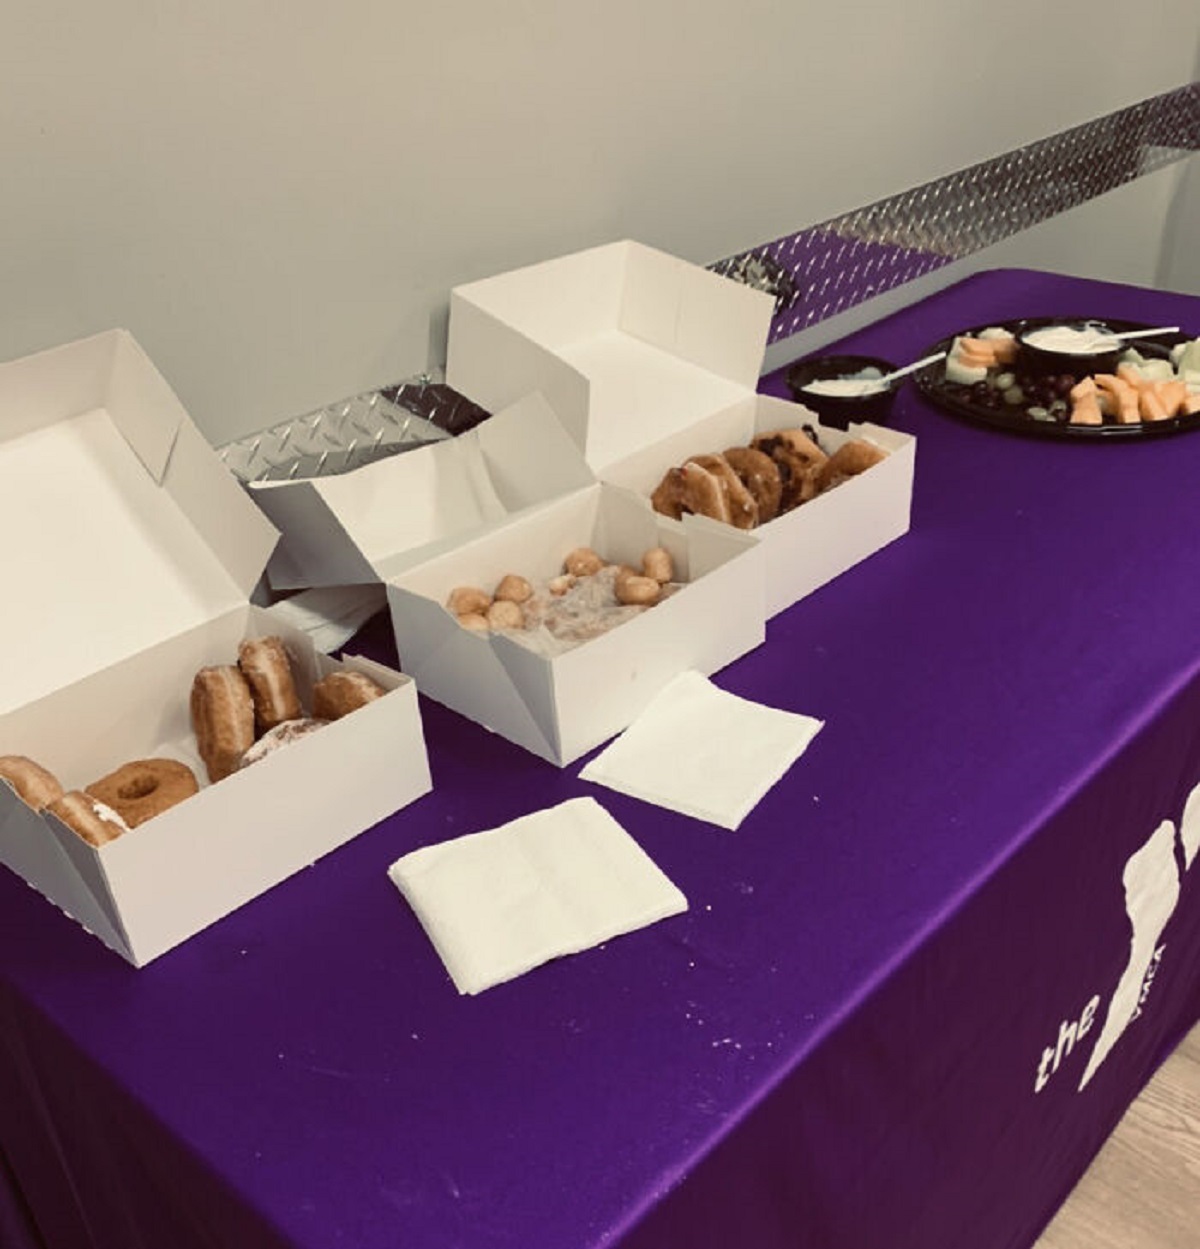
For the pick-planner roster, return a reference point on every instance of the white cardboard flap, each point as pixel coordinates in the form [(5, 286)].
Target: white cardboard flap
[(676, 344), (38, 851), (122, 542), (372, 523), (695, 314), (161, 882)]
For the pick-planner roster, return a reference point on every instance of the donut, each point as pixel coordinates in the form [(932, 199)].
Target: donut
[(760, 475), (632, 588), (281, 735), (140, 790), (513, 589), (468, 600), (222, 718), (505, 614), (582, 562), (795, 441), (91, 820), (743, 510), (691, 489), (657, 563), (850, 459), (342, 692), (36, 787), (268, 671)]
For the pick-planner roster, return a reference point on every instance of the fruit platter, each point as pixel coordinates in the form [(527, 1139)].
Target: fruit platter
[(1069, 377)]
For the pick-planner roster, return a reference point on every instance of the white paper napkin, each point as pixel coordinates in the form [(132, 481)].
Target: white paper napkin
[(331, 615), (497, 903), (704, 752)]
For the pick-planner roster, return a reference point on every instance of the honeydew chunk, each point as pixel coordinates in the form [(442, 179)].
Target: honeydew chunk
[(962, 373), (1158, 370), (1188, 360)]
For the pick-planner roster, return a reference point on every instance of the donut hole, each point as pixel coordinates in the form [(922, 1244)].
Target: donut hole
[(139, 787)]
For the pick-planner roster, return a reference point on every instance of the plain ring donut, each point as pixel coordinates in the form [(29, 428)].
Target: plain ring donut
[(140, 790)]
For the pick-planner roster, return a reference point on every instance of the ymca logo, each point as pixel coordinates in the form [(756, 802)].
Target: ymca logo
[(1152, 879)]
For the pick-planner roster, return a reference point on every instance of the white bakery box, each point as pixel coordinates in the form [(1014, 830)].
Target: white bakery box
[(647, 359), (131, 556)]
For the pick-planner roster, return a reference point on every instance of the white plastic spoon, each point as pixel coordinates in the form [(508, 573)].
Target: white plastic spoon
[(860, 387)]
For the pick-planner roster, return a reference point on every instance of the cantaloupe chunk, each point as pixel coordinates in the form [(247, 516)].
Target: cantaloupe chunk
[(1123, 400), (1172, 395), (1086, 411), (1150, 405), (1131, 374)]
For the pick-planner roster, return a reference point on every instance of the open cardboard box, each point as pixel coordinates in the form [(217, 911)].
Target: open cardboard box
[(561, 705), (821, 539), (138, 553), (647, 359), (371, 523)]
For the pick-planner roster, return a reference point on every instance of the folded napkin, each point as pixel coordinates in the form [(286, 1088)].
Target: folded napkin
[(331, 615), (497, 903), (704, 752)]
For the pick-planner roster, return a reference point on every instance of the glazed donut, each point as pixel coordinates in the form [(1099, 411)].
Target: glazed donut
[(691, 489), (657, 563), (280, 735), (222, 719), (505, 614), (743, 510), (760, 475), (91, 820), (632, 588), (513, 589), (268, 671), (140, 790), (342, 692), (582, 562), (36, 787), (850, 459), (468, 600)]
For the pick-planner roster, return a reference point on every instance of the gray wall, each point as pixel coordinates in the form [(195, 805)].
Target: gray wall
[(275, 198)]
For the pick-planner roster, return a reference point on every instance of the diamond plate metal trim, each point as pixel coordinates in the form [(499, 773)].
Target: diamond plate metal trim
[(813, 274), (353, 432), (842, 262)]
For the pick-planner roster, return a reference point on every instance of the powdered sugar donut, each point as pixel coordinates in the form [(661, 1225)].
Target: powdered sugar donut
[(281, 735)]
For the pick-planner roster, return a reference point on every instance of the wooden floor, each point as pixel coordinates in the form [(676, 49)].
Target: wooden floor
[(1143, 1190)]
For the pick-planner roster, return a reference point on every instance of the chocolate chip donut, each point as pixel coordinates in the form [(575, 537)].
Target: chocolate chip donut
[(760, 475)]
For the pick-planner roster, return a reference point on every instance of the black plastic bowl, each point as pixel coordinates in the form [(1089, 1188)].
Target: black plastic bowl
[(1045, 361), (839, 410)]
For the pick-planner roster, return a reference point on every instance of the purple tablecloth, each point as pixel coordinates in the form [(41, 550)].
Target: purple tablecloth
[(868, 1031)]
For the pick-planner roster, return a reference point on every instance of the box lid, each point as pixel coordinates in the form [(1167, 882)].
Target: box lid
[(123, 525), (629, 345), (372, 523)]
